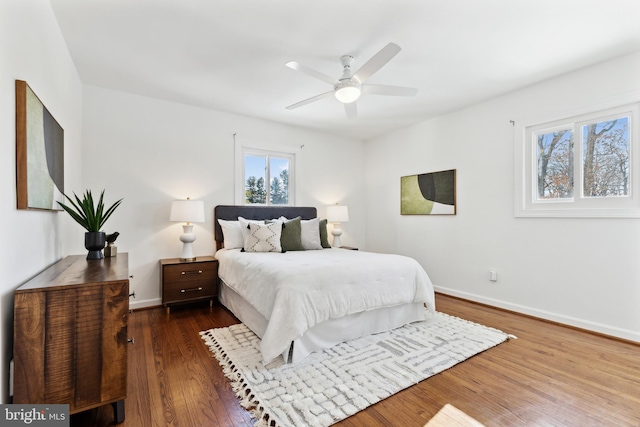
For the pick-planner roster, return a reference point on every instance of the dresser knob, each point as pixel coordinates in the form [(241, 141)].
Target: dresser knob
[(131, 277), (132, 294), (131, 340)]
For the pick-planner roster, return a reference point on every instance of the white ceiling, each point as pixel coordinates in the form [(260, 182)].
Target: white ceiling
[(230, 55)]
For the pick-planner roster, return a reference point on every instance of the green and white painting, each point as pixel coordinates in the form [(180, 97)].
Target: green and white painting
[(40, 153), (428, 193)]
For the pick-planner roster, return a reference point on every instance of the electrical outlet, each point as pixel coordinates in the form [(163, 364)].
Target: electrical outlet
[(493, 275)]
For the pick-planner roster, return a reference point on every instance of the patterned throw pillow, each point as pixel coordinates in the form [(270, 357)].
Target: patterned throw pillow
[(244, 226), (264, 237)]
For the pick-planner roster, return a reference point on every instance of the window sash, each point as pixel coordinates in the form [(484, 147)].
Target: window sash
[(242, 151)]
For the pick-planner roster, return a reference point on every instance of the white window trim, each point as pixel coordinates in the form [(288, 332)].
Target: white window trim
[(243, 147), (525, 165)]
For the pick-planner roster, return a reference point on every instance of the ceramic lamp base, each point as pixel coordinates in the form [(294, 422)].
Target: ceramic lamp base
[(336, 237), (187, 239)]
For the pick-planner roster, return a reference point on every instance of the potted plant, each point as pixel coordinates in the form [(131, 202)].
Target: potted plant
[(92, 218)]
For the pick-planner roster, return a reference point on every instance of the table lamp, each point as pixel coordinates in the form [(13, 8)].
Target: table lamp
[(337, 214), (187, 211)]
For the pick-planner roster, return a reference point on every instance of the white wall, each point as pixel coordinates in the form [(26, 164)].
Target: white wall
[(582, 272), (32, 49), (150, 152)]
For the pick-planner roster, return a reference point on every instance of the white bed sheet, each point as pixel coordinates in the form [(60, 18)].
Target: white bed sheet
[(296, 291)]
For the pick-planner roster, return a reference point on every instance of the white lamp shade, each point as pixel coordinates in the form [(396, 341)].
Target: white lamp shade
[(187, 211), (337, 213), (347, 94)]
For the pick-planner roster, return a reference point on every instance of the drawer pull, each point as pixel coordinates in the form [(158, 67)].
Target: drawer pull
[(191, 289), (192, 272), (132, 295), (131, 340)]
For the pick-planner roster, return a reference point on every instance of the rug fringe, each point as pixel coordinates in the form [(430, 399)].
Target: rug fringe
[(248, 399)]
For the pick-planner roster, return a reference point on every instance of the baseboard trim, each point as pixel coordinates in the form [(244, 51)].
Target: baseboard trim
[(599, 328), (136, 305)]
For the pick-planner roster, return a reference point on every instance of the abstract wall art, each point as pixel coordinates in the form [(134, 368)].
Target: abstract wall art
[(39, 153), (428, 193)]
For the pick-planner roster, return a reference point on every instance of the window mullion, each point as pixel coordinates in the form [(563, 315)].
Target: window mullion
[(267, 184), (578, 165)]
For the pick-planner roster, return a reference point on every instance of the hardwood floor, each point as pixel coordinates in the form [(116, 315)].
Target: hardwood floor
[(550, 376)]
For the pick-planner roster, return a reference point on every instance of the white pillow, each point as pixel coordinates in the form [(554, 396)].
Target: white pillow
[(310, 234), (244, 227), (232, 234), (264, 237)]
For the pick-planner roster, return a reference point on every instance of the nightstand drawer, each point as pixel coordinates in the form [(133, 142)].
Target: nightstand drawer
[(188, 290), (187, 272)]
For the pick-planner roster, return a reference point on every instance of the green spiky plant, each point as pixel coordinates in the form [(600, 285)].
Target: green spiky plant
[(85, 213)]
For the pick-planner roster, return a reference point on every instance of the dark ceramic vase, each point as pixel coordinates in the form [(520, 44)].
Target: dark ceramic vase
[(94, 242)]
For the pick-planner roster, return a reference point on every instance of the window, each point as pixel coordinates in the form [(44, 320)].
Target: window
[(580, 166), (267, 177)]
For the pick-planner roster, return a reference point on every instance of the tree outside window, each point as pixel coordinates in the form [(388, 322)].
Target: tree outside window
[(604, 153), (555, 165), (262, 168), (606, 158)]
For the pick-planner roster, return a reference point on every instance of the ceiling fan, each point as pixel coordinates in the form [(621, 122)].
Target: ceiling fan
[(348, 88)]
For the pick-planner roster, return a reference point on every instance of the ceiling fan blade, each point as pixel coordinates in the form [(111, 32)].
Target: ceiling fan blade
[(377, 61), (310, 100), (351, 109), (311, 72), (389, 90)]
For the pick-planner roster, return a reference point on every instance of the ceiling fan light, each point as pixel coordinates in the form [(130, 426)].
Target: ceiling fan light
[(347, 91)]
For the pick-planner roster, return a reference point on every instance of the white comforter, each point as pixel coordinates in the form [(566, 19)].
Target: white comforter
[(297, 290)]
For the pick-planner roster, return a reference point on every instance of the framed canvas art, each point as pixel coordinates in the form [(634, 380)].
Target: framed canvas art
[(431, 193), (39, 153)]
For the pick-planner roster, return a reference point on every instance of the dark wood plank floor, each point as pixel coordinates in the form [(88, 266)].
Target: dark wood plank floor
[(550, 376)]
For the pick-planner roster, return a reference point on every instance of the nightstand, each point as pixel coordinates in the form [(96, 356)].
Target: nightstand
[(188, 281)]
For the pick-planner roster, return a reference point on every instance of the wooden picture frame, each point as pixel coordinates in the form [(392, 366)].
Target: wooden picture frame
[(39, 153), (431, 193)]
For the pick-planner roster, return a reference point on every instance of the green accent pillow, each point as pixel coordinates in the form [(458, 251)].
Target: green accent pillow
[(290, 239), (324, 239)]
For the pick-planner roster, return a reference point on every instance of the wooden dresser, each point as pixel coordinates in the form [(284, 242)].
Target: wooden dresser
[(70, 335)]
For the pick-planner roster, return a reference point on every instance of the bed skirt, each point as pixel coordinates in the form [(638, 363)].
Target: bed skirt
[(328, 333)]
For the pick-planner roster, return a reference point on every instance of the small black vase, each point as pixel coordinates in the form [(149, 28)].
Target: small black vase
[(94, 242)]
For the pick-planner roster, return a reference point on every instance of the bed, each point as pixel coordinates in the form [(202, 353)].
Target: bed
[(301, 301)]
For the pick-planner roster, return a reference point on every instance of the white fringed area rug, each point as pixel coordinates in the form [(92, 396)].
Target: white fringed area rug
[(329, 386)]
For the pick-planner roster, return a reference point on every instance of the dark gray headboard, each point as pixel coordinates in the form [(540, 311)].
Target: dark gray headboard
[(232, 212)]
